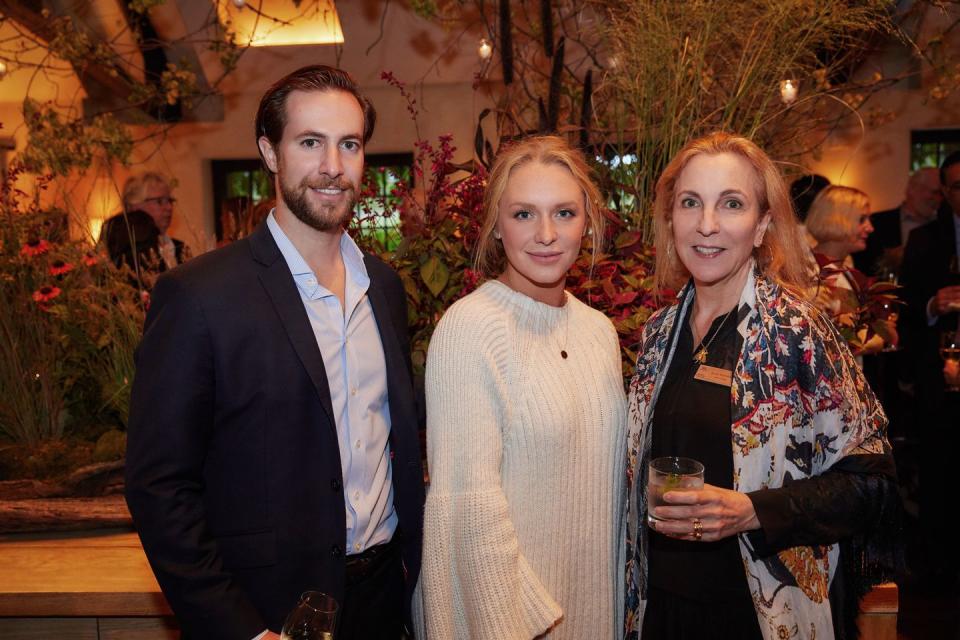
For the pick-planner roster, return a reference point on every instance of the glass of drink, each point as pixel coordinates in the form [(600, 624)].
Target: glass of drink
[(314, 618), (890, 314), (669, 473), (888, 274), (950, 352)]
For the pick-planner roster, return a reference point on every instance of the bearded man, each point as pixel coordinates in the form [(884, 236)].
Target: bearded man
[(272, 442)]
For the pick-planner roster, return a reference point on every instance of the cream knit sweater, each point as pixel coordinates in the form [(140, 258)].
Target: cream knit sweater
[(523, 523)]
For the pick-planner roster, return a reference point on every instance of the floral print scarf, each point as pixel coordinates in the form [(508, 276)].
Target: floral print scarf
[(799, 403)]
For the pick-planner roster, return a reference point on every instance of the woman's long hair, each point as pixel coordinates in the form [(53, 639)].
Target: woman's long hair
[(782, 254)]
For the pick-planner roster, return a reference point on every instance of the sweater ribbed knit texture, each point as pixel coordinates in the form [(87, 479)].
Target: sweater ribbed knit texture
[(524, 515)]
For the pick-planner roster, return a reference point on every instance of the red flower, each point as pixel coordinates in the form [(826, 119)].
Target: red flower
[(46, 294), (90, 258), (59, 267), (35, 247)]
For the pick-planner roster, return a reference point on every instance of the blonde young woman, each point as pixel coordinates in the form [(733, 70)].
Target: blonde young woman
[(793, 523), (525, 424)]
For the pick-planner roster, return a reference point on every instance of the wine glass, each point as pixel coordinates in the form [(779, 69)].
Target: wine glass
[(950, 352), (314, 618), (890, 314), (887, 273)]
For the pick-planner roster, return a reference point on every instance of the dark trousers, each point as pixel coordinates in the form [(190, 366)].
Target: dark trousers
[(374, 598), (673, 617), (938, 471)]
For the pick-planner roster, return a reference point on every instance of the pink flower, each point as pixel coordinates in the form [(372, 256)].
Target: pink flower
[(59, 267), (45, 294), (35, 247)]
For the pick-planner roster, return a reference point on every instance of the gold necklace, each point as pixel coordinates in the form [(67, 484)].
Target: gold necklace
[(566, 327), (564, 309), (700, 355)]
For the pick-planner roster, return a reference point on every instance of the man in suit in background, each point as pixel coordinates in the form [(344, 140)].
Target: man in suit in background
[(932, 293), (891, 228), (141, 229), (273, 432)]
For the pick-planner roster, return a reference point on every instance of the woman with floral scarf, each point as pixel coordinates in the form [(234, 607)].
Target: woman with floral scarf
[(796, 519)]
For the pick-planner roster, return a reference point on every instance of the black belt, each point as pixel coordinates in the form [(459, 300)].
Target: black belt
[(362, 564)]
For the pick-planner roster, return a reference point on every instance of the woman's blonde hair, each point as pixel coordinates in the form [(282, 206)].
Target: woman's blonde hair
[(835, 213), (781, 255), (490, 259)]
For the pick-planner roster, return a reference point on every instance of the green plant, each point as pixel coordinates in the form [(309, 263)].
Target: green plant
[(69, 323), (618, 282), (864, 309), (439, 224)]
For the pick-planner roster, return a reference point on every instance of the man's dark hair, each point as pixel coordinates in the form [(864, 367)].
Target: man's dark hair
[(272, 114), (949, 161), (804, 190)]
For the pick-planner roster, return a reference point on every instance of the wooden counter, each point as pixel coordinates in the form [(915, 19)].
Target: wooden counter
[(99, 586), (82, 586)]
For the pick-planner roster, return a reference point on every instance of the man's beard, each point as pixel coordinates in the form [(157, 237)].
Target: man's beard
[(324, 217)]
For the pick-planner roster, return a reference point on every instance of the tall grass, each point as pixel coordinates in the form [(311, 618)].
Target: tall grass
[(682, 69)]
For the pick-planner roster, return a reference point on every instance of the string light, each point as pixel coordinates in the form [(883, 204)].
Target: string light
[(788, 91), (239, 4), (3, 69), (484, 50)]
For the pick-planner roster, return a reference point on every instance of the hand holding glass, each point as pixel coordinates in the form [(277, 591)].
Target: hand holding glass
[(950, 352), (671, 473), (314, 618)]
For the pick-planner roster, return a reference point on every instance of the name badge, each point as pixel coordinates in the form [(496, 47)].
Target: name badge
[(714, 375)]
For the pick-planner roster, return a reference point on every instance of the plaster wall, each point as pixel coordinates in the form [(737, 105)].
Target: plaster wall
[(876, 159), (438, 68)]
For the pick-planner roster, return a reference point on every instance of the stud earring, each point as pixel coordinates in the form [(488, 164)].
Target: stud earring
[(496, 234)]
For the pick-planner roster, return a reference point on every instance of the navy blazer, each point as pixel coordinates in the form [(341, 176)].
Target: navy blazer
[(233, 472), (926, 270)]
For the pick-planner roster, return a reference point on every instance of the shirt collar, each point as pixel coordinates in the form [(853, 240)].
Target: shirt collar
[(356, 270)]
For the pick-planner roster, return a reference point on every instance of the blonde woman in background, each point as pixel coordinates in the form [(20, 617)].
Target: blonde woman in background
[(839, 220), (525, 424)]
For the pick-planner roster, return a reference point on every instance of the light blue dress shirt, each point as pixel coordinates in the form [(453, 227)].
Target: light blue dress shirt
[(349, 341)]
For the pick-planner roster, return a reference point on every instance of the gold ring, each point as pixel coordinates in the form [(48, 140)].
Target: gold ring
[(697, 529)]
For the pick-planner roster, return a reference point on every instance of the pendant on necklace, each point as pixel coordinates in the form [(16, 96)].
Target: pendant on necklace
[(701, 355), (563, 353)]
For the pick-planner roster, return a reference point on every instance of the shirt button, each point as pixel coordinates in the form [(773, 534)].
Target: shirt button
[(356, 495), (358, 444), (353, 391), (311, 281), (356, 546)]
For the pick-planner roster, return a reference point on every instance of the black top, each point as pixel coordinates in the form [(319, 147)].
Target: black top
[(692, 419)]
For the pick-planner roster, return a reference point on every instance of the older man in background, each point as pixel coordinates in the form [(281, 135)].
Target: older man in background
[(891, 228), (141, 228)]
